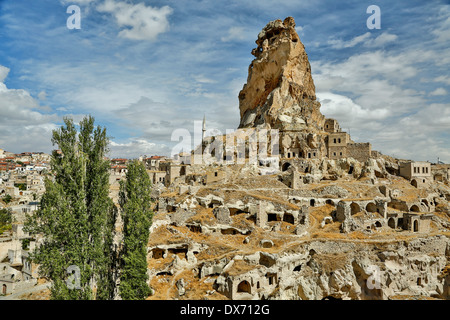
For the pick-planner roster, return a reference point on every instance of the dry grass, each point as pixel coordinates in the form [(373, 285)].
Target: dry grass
[(239, 267), (358, 235), (204, 216), (316, 216), (161, 286), (327, 235), (332, 262)]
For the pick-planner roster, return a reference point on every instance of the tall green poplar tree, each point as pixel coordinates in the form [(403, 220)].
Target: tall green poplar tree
[(135, 204), (76, 218)]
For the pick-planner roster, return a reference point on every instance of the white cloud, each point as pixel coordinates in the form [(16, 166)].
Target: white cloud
[(371, 94), (377, 79), (443, 79), (3, 73), (442, 34), (203, 79), (347, 112), (155, 121), (234, 33), (432, 118), (137, 147), (20, 110), (86, 87), (365, 39), (140, 22), (42, 95), (340, 44), (381, 40), (439, 92), (419, 135)]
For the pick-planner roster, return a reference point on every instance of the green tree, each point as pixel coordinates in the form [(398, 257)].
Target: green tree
[(76, 217), (135, 204), (7, 198), (25, 244), (21, 186), (5, 216), (5, 220)]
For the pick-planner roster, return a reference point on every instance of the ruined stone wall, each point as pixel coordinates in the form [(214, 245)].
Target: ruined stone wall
[(359, 151)]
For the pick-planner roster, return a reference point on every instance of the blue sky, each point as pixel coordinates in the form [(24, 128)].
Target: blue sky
[(146, 68)]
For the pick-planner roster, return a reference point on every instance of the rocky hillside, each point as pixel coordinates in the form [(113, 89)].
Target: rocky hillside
[(301, 225)]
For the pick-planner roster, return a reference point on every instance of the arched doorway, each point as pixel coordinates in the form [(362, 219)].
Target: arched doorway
[(414, 208), (416, 226), (312, 202), (414, 183), (244, 286), (391, 223), (371, 207), (354, 208)]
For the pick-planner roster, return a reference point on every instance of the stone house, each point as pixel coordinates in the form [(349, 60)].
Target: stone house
[(16, 273), (8, 276), (157, 176), (152, 163), (412, 222), (245, 282), (215, 176), (171, 169), (337, 145), (331, 125), (418, 172), (293, 179), (340, 145)]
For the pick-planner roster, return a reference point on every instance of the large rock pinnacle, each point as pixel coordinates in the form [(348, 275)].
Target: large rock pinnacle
[(280, 91)]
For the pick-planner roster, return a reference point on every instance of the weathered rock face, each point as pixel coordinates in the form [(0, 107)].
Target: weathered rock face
[(280, 91), (343, 270)]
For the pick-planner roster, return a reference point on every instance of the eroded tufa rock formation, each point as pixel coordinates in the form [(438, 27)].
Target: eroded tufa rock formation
[(279, 78), (280, 92)]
